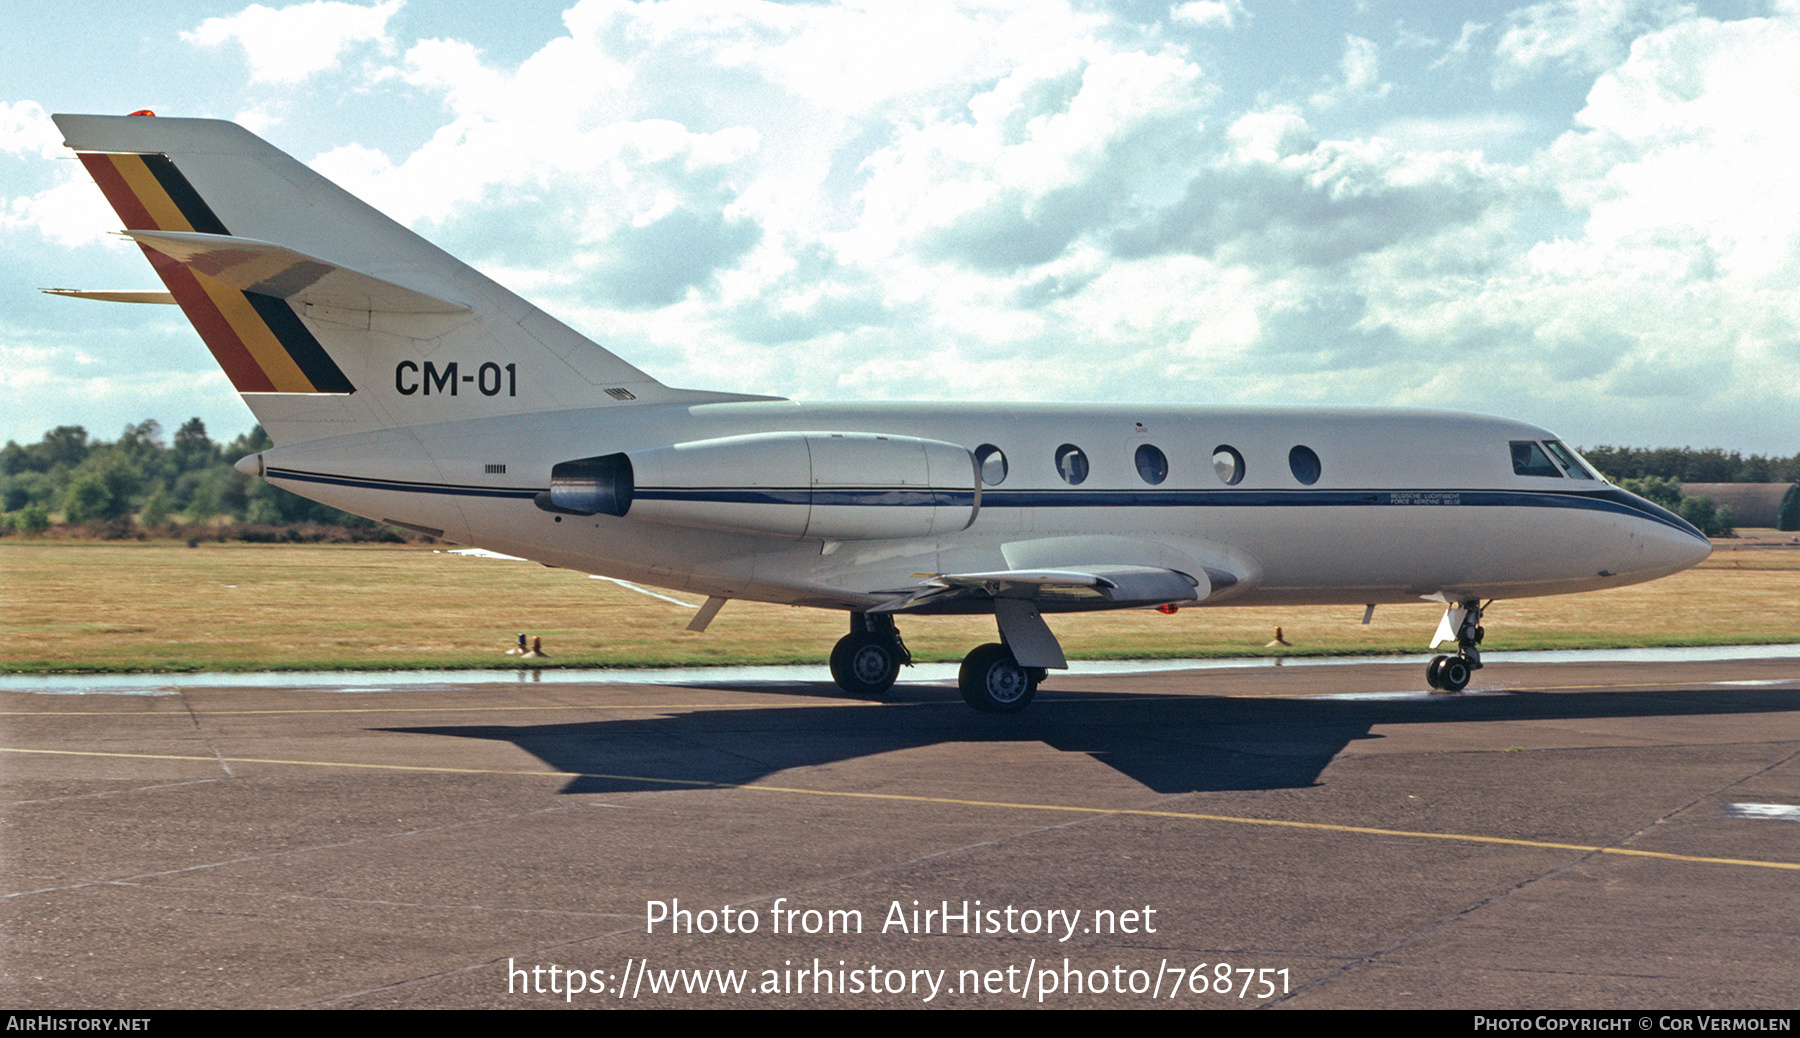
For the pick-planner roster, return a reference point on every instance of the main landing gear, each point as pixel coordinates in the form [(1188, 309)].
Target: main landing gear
[(992, 681), (1452, 673), (866, 661)]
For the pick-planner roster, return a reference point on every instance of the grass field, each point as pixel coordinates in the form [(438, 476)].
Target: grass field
[(95, 606)]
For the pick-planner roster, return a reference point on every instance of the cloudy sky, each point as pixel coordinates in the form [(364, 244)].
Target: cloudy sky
[(1581, 213)]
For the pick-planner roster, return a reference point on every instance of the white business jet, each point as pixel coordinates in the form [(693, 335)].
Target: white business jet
[(399, 384)]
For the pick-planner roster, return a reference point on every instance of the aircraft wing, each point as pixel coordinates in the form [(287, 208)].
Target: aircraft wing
[(1115, 585), (1017, 594)]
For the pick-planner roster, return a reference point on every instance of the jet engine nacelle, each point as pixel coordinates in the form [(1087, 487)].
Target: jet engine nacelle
[(823, 485)]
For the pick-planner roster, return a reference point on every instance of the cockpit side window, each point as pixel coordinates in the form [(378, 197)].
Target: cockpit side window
[(1569, 460), (1529, 459)]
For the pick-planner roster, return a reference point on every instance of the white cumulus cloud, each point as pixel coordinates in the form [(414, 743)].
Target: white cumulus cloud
[(290, 44), (1580, 36)]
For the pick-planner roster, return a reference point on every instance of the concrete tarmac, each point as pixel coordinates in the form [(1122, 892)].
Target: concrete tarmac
[(1564, 836)]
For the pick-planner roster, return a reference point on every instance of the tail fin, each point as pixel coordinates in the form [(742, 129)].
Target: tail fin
[(328, 317)]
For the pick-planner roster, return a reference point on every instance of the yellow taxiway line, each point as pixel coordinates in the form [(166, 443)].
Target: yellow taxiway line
[(951, 801)]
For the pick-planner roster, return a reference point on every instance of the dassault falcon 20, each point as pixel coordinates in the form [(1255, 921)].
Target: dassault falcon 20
[(400, 384)]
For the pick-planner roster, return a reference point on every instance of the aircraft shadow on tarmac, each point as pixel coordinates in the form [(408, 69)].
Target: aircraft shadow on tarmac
[(1171, 744)]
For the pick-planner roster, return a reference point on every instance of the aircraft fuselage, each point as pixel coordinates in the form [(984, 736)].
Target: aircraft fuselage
[(1405, 503)]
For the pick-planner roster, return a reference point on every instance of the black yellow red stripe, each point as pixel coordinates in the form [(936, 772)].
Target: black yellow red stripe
[(261, 343)]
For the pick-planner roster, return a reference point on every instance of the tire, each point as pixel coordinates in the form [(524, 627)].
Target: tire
[(993, 682), (1431, 673), (1454, 675), (865, 664)]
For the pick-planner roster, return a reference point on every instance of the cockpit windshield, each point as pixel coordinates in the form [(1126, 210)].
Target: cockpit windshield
[(1529, 459), (1569, 460)]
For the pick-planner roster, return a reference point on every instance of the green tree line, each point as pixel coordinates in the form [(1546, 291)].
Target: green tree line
[(1710, 519), (1657, 474), (139, 482), (1687, 465)]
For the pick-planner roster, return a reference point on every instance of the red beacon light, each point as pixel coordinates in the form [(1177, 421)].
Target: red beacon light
[(1168, 609), (143, 111)]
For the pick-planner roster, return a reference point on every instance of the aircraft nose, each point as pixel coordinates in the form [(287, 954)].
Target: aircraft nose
[(1665, 542), (1680, 549)]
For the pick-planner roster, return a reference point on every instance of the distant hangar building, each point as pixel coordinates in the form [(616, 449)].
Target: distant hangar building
[(1753, 504)]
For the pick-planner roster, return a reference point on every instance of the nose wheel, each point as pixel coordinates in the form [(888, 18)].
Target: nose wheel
[(1452, 673)]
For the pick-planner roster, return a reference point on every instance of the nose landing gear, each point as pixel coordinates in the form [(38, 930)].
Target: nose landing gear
[(1452, 673)]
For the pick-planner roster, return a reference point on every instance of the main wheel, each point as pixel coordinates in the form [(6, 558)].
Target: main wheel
[(1431, 672), (993, 682), (1454, 674), (865, 664)]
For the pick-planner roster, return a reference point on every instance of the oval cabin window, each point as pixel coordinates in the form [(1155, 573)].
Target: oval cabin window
[(1304, 464), (1071, 464), (1229, 464), (1152, 464), (992, 462)]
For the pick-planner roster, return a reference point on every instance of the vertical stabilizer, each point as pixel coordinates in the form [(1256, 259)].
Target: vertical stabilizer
[(328, 317)]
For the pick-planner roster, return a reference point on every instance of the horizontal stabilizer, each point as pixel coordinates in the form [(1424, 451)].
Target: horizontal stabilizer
[(275, 270), (108, 295)]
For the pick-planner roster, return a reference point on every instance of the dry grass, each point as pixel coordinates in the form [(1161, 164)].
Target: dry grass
[(72, 606)]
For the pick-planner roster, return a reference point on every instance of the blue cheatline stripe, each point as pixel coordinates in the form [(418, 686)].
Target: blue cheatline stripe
[(398, 485), (1608, 500)]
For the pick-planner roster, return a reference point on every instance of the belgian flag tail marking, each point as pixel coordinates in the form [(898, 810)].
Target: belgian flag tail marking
[(261, 343)]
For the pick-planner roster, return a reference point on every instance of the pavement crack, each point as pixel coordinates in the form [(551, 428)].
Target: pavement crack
[(112, 792), (198, 727), (1690, 805), (1373, 957), (138, 879), (269, 895)]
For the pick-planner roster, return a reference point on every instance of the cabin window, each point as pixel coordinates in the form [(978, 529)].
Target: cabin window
[(1304, 464), (1229, 464), (1530, 460), (1570, 461), (1152, 465), (1071, 464), (992, 461)]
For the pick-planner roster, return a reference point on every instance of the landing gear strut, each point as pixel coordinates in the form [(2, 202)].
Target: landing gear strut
[(1452, 673), (866, 661)]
